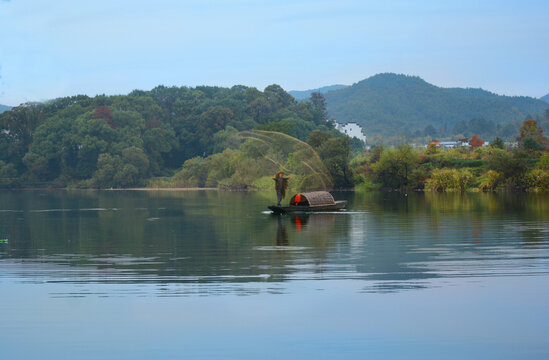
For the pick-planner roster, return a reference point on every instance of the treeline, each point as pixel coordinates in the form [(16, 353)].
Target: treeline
[(193, 137), (481, 127), (118, 141), (476, 168)]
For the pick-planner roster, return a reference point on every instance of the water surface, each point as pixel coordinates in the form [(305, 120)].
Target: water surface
[(124, 274)]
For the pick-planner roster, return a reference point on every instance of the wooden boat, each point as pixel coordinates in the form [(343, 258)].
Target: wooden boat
[(310, 201)]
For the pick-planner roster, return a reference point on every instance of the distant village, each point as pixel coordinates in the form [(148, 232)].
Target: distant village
[(353, 129)]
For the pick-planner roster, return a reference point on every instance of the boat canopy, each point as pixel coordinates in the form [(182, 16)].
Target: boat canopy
[(315, 198)]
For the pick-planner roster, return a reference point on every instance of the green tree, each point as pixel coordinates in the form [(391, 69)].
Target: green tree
[(376, 154), (543, 162), (357, 146), (512, 165), (317, 138), (107, 168), (320, 113), (37, 166), (497, 143), (335, 152), (531, 144), (194, 172), (136, 157), (259, 109), (226, 138), (52, 141), (531, 136), (8, 174), (336, 155), (278, 98), (17, 128), (396, 167), (126, 176), (157, 143)]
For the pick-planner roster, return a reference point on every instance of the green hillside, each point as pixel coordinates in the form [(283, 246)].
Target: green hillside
[(120, 141), (305, 94), (391, 105), (4, 108)]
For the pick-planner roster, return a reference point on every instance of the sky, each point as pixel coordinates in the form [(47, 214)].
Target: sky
[(51, 49)]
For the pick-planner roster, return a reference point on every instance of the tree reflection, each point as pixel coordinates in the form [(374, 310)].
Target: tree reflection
[(389, 239)]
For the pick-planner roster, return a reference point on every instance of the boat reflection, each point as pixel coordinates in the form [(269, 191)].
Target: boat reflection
[(224, 240)]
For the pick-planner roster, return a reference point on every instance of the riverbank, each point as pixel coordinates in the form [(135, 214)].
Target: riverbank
[(164, 189)]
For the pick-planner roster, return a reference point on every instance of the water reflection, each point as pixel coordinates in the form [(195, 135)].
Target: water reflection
[(281, 233), (225, 242)]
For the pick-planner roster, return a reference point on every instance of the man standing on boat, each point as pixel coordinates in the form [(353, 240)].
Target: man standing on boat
[(281, 184)]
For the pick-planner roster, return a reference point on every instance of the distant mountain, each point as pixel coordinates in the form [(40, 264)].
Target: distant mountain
[(545, 98), (391, 104), (4, 108), (305, 94)]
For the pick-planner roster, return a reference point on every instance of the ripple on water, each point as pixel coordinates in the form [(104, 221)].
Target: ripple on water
[(281, 248)]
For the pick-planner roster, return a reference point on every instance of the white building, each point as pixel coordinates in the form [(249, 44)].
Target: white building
[(453, 144), (352, 129)]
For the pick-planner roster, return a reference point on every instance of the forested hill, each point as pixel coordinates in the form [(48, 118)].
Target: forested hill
[(123, 140), (545, 98), (391, 104), (305, 94), (4, 108)]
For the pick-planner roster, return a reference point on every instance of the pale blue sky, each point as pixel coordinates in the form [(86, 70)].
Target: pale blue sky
[(50, 49)]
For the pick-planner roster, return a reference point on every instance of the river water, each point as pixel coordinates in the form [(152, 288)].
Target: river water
[(213, 275)]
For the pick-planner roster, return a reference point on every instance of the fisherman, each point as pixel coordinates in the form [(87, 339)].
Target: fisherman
[(281, 184)]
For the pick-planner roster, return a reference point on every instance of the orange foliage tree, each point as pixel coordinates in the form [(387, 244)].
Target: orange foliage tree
[(476, 142), (104, 112)]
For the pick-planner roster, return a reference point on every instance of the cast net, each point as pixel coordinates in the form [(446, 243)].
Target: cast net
[(250, 160), (264, 153)]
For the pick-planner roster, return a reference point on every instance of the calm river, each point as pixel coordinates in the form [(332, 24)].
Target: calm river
[(212, 275)]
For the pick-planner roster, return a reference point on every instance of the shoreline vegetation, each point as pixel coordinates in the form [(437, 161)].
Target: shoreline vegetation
[(236, 139)]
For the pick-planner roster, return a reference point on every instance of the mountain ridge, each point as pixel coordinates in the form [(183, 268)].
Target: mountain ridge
[(391, 104), (305, 94), (4, 108), (545, 98)]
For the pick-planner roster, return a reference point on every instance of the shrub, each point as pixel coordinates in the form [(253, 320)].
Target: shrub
[(491, 180), (193, 174), (449, 180), (538, 180), (497, 143), (360, 169), (543, 162), (480, 152)]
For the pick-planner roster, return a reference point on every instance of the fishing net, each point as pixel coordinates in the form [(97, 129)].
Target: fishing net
[(264, 153), (250, 160)]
